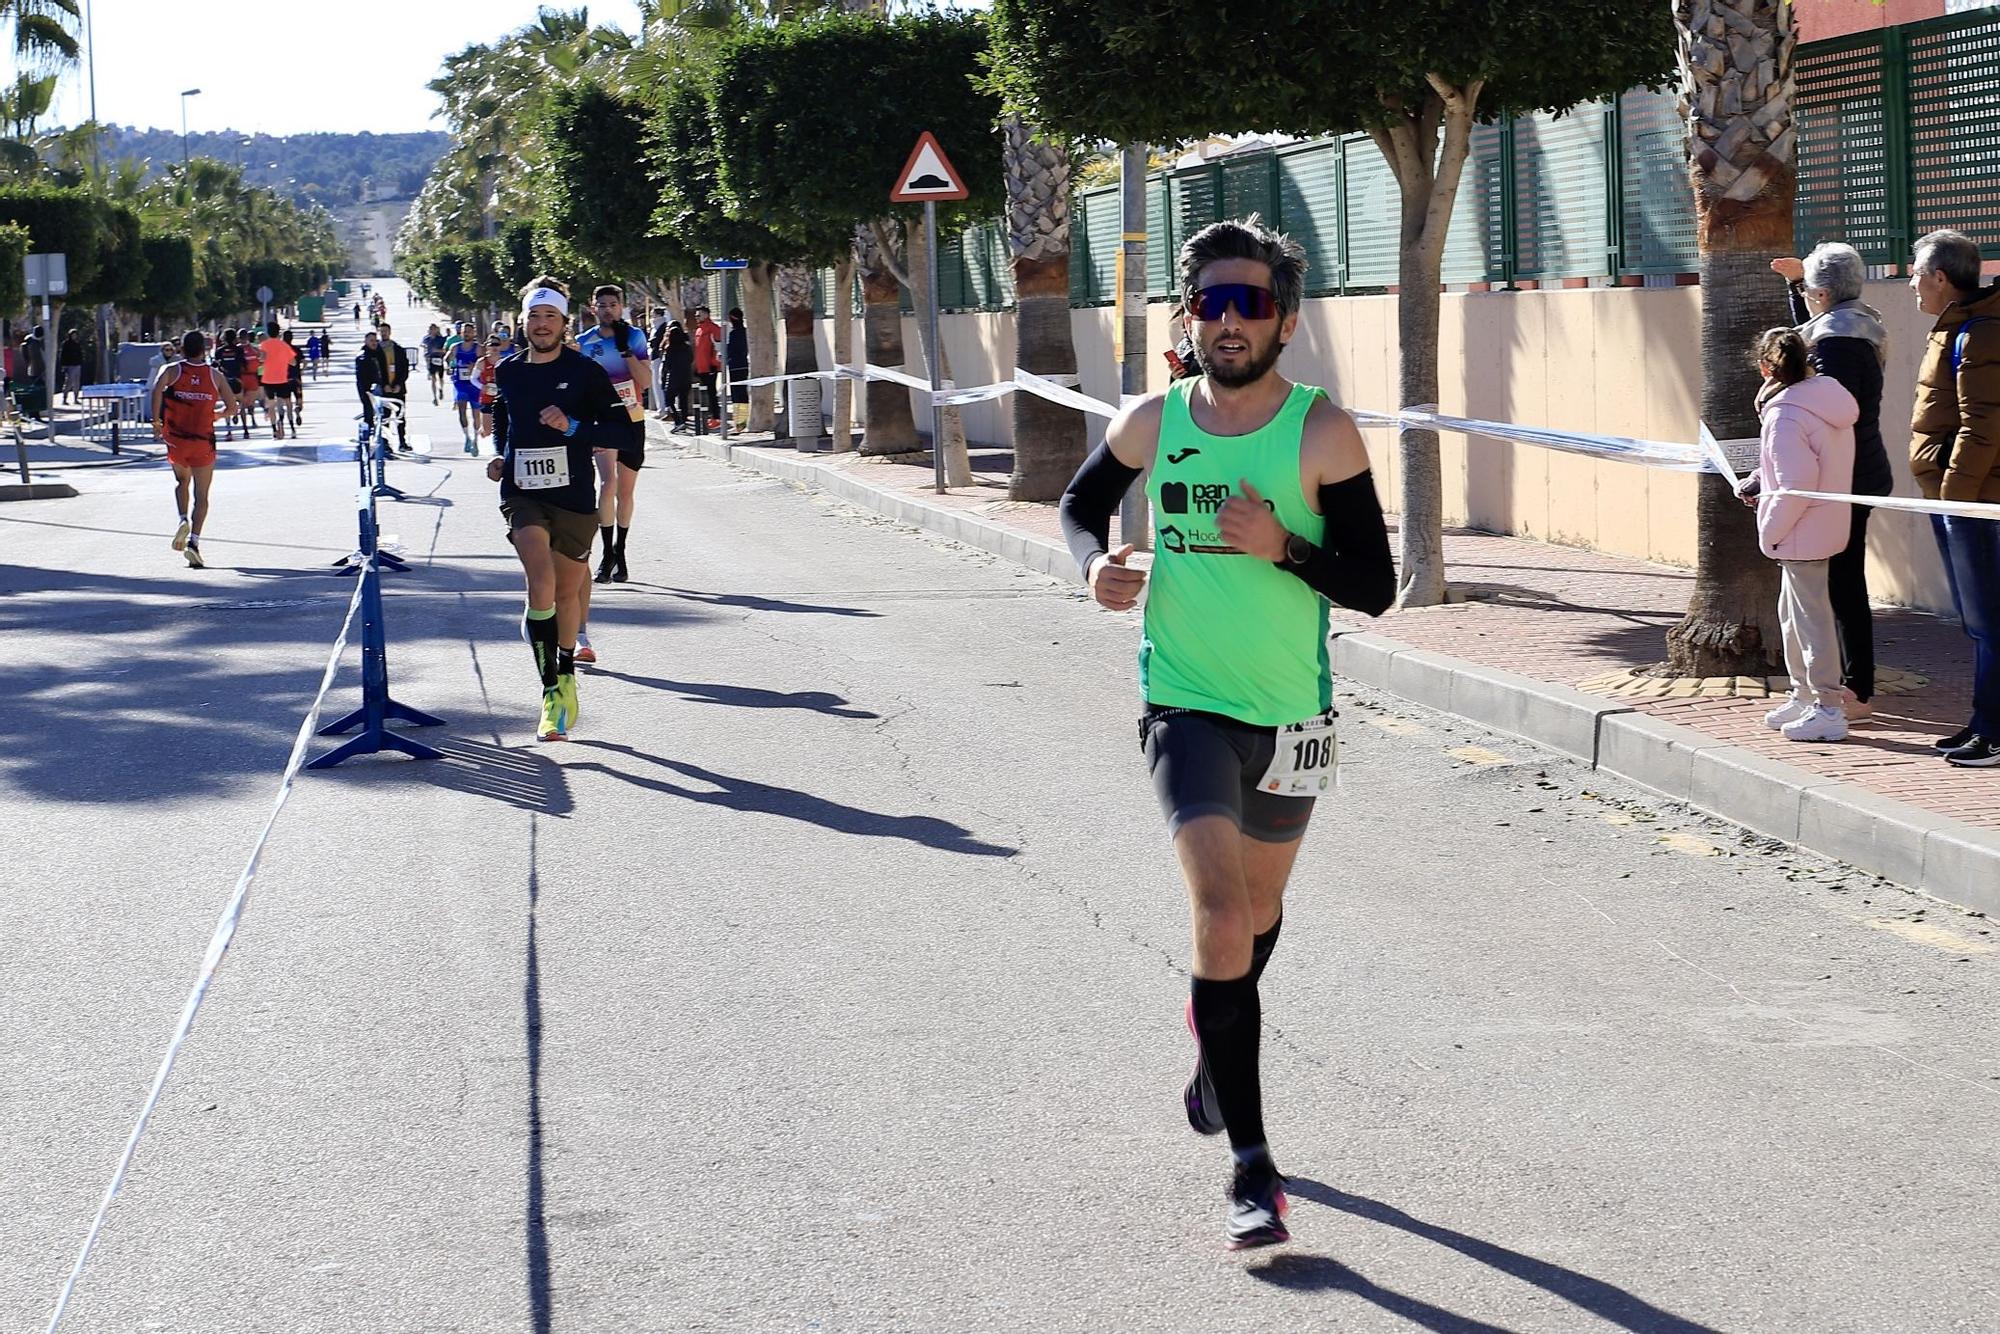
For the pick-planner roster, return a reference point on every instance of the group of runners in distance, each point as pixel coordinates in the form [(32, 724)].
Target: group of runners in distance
[(1266, 513)]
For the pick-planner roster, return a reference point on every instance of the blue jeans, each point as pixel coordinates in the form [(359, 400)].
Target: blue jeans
[(1971, 551)]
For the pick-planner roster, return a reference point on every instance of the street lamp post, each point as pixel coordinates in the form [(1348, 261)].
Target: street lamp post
[(191, 92)]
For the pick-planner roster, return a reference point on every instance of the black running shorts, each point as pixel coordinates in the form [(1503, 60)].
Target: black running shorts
[(570, 533), (633, 454), (1206, 764)]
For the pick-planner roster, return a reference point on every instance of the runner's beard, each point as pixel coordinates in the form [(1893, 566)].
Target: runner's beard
[(1259, 365), (545, 343)]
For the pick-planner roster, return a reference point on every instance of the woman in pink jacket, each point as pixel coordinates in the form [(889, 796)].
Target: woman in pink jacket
[(1808, 445)]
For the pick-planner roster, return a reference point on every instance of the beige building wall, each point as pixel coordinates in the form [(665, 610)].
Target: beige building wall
[(1614, 361)]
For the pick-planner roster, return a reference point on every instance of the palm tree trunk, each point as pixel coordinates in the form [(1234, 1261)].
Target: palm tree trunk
[(1736, 84), (891, 427), (760, 324), (802, 424), (1049, 440), (840, 305)]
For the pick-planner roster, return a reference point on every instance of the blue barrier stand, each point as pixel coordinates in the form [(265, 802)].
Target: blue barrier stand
[(384, 419), (369, 550), (377, 708)]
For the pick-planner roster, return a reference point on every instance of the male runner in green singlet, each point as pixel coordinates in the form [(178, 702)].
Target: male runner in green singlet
[(1264, 509)]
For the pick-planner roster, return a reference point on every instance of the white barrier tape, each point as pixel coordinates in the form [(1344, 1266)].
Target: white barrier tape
[(218, 945), (1708, 455)]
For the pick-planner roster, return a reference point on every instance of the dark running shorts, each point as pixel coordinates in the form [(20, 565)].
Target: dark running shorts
[(570, 533), (633, 455), (1206, 764)]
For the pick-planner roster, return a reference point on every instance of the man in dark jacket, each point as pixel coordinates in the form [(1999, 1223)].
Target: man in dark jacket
[(1955, 454), (1848, 342), (392, 361), (367, 375)]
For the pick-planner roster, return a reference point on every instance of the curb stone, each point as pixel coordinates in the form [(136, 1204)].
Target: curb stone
[(1946, 858)]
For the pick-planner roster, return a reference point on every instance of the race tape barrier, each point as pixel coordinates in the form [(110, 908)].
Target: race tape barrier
[(218, 945), (1708, 455)]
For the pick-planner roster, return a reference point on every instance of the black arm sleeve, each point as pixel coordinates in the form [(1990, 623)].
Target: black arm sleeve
[(502, 423), (1353, 568), (1091, 500)]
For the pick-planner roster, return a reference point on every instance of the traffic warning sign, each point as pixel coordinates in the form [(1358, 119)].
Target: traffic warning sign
[(928, 176)]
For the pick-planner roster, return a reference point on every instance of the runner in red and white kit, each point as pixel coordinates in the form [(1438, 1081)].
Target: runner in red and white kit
[(187, 397)]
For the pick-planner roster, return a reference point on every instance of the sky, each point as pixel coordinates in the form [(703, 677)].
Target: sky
[(286, 67)]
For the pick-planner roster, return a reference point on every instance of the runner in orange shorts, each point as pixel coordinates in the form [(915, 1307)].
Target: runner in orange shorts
[(188, 395)]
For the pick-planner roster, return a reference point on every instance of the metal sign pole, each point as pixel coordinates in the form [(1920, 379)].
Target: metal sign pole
[(937, 350)]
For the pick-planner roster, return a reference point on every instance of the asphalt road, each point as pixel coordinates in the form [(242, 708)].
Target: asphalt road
[(831, 978)]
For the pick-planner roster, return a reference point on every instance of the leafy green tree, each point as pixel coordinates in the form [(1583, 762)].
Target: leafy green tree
[(814, 167), (119, 276), (170, 275), (595, 209), (14, 246), (42, 33), (1415, 77), (686, 162)]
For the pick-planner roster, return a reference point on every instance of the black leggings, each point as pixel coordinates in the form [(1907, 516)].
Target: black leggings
[(1847, 585)]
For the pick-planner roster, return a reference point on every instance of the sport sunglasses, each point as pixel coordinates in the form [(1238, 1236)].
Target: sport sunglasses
[(1252, 303)]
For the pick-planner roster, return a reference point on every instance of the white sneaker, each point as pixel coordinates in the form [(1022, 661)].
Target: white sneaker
[(1790, 711), (1818, 725)]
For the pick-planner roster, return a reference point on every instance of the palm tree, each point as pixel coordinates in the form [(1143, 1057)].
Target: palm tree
[(891, 428), (1048, 440), (1736, 86), (44, 31), (795, 308)]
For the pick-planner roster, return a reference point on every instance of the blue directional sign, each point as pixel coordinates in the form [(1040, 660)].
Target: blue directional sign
[(709, 263)]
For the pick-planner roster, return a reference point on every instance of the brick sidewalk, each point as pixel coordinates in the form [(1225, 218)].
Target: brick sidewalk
[(1566, 616)]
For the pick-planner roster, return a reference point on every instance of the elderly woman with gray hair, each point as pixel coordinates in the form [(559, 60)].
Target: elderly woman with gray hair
[(1848, 343)]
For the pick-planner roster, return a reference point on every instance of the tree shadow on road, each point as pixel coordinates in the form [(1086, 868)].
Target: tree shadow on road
[(746, 697), (743, 794), (1298, 1272), (1604, 1300)]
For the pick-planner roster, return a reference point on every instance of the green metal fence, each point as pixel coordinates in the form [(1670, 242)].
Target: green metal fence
[(1596, 191), (1899, 135)]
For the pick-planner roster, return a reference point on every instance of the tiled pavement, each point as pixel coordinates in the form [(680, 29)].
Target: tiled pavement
[(1565, 615)]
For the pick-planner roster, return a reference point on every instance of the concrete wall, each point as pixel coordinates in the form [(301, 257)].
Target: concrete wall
[(1616, 361)]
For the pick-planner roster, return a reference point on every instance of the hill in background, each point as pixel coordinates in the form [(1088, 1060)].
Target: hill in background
[(365, 180)]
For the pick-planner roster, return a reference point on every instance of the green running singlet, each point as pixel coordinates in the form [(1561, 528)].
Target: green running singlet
[(1226, 632)]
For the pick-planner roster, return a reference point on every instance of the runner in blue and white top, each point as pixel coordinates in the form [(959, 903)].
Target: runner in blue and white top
[(621, 350), (462, 364)]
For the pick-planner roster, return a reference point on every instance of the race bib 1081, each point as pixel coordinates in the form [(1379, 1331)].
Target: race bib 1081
[(1307, 757)]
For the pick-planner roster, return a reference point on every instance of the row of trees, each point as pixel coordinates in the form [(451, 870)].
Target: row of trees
[(774, 136)]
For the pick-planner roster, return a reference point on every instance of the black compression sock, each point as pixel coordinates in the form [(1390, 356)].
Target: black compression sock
[(621, 539), (1261, 946), (604, 531), (541, 632), (566, 661), (1228, 1019)]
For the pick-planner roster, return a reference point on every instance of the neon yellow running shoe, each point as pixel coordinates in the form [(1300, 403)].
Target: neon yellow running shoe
[(555, 715), (573, 708)]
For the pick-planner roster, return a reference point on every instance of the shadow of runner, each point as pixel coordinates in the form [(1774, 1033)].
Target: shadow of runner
[(743, 794), (1603, 1300), (746, 697), (1299, 1272)]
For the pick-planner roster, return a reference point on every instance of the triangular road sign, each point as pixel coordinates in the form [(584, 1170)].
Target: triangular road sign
[(928, 175)]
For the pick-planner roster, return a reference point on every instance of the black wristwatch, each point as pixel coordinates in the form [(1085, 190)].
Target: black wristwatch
[(1297, 552)]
